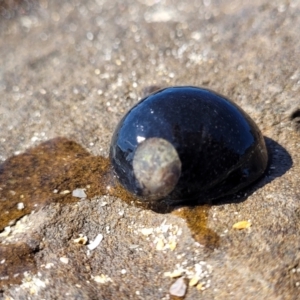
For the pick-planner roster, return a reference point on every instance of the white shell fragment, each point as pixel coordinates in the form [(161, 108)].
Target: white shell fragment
[(79, 193), (20, 206), (94, 244), (50, 265), (178, 288), (65, 192), (102, 278), (146, 231), (174, 274), (64, 260)]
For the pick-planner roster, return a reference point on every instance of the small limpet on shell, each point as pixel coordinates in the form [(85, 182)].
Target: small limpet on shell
[(186, 145), (157, 167)]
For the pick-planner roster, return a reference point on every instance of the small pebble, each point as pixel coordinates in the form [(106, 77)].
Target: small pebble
[(178, 288), (160, 245), (146, 231), (20, 206), (102, 279), (241, 225), (79, 193), (64, 260), (194, 281), (199, 287), (174, 274), (172, 245), (49, 265)]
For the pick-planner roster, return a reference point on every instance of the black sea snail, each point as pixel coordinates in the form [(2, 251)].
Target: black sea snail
[(186, 144)]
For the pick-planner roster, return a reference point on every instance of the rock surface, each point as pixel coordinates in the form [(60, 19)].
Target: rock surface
[(71, 69)]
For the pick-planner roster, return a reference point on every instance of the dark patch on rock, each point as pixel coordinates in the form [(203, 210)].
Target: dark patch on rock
[(16, 259)]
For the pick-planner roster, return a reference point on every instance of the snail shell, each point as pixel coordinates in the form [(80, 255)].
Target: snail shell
[(186, 144)]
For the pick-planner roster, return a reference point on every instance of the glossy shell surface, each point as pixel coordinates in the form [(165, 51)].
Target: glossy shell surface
[(216, 149)]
